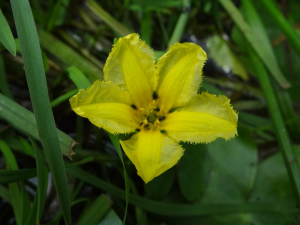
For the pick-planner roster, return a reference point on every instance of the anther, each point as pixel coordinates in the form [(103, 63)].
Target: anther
[(156, 109), (155, 95), (137, 130), (141, 123), (162, 118), (147, 125), (133, 106)]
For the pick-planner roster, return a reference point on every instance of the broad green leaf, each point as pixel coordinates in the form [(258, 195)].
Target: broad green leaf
[(159, 187), (6, 37), (193, 171), (220, 51), (233, 169), (110, 218)]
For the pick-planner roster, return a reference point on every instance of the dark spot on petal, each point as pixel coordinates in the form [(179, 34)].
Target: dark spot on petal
[(162, 118), (163, 132), (133, 106), (155, 95)]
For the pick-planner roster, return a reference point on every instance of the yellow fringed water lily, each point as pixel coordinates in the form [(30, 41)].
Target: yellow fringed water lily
[(158, 102)]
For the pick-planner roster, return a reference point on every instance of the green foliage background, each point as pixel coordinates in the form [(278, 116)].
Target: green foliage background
[(53, 48)]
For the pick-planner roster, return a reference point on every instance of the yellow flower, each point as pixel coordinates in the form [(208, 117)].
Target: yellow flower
[(137, 96)]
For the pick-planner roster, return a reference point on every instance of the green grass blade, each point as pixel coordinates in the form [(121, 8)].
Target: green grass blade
[(9, 176), (96, 211), (14, 191), (36, 80), (78, 78), (146, 27), (68, 56), (55, 14), (3, 82), (4, 193), (107, 18), (255, 43), (283, 23), (282, 135), (24, 121), (6, 37), (42, 175), (176, 210), (115, 140), (181, 23), (63, 98), (283, 96)]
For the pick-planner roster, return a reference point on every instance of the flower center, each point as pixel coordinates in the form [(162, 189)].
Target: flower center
[(150, 116)]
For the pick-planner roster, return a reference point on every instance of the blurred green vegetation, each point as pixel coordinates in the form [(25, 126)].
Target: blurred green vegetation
[(253, 49)]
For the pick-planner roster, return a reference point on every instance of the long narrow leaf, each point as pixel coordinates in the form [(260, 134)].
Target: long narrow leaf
[(3, 81), (283, 96), (283, 23), (36, 80), (68, 55), (115, 140), (9, 176), (282, 135), (24, 120), (95, 212), (112, 22), (181, 23), (176, 210), (255, 43), (6, 37), (42, 175)]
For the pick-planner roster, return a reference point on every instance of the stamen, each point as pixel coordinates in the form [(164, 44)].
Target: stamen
[(142, 110), (156, 109)]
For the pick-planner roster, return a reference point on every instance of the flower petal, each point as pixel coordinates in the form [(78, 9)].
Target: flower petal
[(203, 119), (179, 74), (131, 66), (152, 153), (106, 106)]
